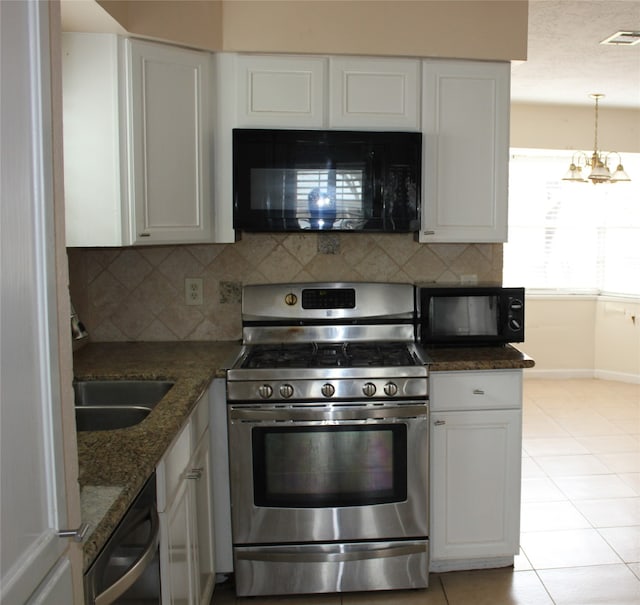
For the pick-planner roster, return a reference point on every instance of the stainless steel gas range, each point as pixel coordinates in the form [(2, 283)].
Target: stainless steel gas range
[(328, 441)]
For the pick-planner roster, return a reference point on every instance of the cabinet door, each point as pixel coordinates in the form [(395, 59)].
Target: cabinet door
[(280, 92), (96, 204), (177, 545), (169, 133), (465, 123), (200, 477), (374, 93), (475, 484)]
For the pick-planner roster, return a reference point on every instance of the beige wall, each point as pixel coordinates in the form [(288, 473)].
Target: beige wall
[(573, 336), (474, 29), (569, 127), (196, 23), (559, 333), (617, 337)]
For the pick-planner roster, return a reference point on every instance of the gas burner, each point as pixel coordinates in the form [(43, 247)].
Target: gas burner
[(329, 355)]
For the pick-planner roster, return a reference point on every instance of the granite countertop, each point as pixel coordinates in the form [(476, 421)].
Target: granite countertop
[(507, 357), (114, 465)]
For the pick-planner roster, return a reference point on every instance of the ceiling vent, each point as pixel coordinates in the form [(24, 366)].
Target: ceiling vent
[(622, 38)]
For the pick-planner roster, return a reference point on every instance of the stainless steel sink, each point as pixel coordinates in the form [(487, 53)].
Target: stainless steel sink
[(107, 418), (103, 405)]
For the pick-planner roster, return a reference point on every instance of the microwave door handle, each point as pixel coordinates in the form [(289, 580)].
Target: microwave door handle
[(120, 586)]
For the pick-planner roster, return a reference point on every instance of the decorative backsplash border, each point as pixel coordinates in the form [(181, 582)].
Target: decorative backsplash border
[(138, 294)]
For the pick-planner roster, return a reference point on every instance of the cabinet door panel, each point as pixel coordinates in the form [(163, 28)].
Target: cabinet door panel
[(177, 543), (374, 93), (169, 125), (475, 484), (466, 131), (204, 520), (285, 92)]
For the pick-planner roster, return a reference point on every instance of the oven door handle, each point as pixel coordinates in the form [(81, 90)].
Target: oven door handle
[(327, 413), (120, 586), (335, 554)]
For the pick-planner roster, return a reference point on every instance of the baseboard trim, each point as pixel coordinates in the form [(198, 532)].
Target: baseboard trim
[(617, 376), (567, 374), (558, 374), (465, 564)]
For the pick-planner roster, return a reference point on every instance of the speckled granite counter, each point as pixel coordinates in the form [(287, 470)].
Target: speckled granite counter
[(443, 359), (114, 465)]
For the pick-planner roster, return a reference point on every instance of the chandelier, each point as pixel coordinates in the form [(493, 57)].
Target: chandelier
[(598, 162)]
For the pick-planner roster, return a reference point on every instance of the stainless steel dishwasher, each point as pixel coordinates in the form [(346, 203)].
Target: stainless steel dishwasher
[(127, 570)]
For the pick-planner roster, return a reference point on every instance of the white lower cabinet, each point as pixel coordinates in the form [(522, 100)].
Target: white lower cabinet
[(475, 465), (186, 517)]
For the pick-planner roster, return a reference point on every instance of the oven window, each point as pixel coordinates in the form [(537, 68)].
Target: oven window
[(329, 466)]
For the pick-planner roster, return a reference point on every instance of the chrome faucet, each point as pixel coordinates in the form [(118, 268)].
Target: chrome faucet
[(78, 331)]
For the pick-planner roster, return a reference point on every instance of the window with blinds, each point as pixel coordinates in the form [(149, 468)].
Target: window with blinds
[(341, 188), (571, 237)]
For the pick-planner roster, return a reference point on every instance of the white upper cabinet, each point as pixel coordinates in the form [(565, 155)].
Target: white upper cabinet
[(280, 91), (138, 137), (95, 211), (465, 125), (288, 91), (376, 93), (169, 96)]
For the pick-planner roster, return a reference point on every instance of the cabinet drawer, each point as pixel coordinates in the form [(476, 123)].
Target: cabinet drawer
[(485, 390)]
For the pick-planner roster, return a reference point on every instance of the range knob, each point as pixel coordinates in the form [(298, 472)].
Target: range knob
[(390, 389), (286, 391), (265, 391), (369, 389), (328, 389)]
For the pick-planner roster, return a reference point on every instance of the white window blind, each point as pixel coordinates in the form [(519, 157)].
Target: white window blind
[(572, 237), (343, 186)]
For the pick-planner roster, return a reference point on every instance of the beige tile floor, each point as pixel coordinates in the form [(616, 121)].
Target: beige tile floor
[(580, 526)]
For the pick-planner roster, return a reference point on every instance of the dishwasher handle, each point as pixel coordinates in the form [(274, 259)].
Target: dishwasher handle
[(120, 586)]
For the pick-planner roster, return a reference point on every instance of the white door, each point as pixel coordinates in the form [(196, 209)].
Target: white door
[(475, 484), (34, 561)]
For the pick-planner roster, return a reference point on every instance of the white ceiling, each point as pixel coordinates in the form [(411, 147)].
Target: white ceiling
[(566, 61)]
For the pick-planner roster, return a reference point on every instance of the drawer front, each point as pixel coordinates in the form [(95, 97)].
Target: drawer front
[(485, 390)]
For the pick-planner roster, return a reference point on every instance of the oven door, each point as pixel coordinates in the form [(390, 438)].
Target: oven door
[(316, 472)]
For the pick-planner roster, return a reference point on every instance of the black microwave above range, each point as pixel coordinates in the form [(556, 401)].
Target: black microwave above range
[(474, 315), (326, 180)]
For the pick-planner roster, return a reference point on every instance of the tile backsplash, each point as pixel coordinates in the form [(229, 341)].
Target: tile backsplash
[(138, 294)]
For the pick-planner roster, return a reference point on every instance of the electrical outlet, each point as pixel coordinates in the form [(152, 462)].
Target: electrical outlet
[(193, 290), (469, 279)]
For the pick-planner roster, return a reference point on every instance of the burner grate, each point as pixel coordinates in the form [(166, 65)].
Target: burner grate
[(329, 355)]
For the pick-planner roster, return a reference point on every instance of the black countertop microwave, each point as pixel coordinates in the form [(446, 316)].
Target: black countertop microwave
[(473, 315), (326, 180)]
